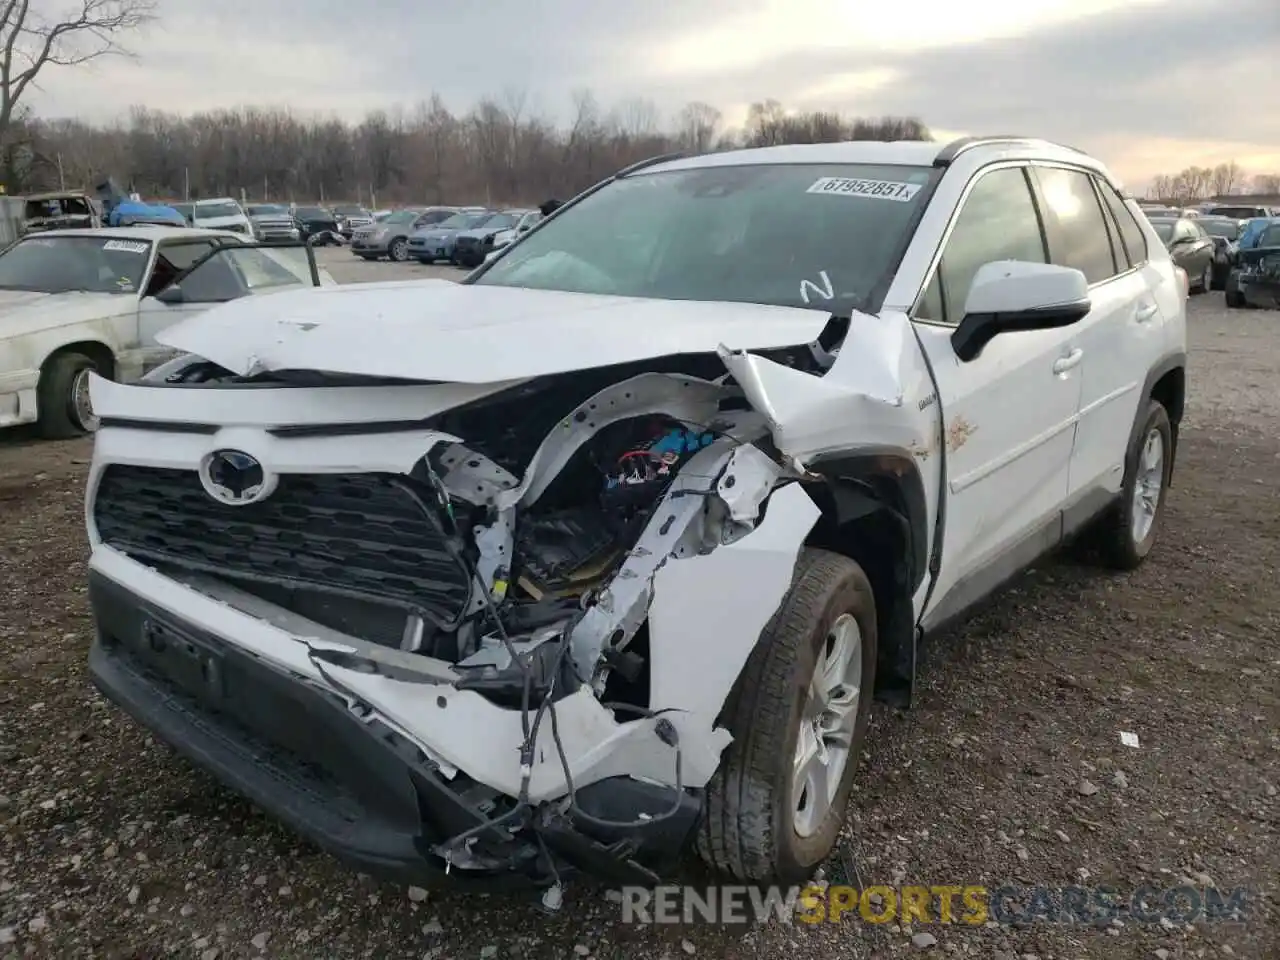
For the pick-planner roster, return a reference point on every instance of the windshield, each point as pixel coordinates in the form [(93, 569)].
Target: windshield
[(53, 264), (57, 207), (313, 213), (1269, 237), (817, 236), (1238, 213), (460, 221), (351, 212), (268, 210), (208, 211), (1221, 228), (184, 208), (497, 221), (401, 216), (1164, 229)]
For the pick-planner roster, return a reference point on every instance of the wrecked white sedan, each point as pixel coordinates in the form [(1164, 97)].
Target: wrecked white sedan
[(84, 301), (602, 553)]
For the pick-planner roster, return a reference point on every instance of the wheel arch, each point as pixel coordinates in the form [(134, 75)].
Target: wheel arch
[(1166, 383), (96, 350), (875, 512)]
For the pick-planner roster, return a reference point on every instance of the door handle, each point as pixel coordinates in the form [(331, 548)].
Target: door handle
[(1072, 359), (1146, 312)]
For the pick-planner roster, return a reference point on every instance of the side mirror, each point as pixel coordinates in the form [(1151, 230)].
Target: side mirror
[(171, 295), (1009, 296)]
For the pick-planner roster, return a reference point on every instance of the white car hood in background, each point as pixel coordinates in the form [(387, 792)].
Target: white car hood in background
[(221, 223), (23, 312), (443, 331)]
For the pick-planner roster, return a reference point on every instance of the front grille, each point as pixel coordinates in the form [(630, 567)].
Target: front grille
[(361, 536)]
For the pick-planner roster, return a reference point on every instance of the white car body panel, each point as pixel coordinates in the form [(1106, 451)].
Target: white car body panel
[(1003, 444)]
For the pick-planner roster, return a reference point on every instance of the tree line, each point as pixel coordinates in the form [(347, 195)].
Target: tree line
[(1200, 183), (500, 151)]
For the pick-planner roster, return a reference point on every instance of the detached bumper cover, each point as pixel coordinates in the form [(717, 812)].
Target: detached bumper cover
[(350, 785)]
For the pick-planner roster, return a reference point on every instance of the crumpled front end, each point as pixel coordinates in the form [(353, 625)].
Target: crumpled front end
[(478, 629)]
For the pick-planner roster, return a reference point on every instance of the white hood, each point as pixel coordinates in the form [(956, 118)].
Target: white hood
[(219, 223), (23, 311), (443, 331)]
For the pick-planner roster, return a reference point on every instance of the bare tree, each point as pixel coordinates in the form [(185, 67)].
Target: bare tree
[(1162, 187), (697, 125), (34, 40), (1226, 176), (496, 153), (1268, 183)]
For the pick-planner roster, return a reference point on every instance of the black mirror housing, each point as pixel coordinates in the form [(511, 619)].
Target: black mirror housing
[(976, 330)]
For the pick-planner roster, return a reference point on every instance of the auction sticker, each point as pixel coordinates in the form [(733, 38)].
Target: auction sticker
[(126, 246), (873, 189)]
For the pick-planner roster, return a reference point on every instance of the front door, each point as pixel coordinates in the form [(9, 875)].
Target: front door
[(173, 258), (1009, 414)]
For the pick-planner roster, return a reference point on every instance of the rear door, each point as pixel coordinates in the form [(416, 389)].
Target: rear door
[(1121, 336)]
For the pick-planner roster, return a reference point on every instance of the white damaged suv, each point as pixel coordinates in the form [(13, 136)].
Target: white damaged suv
[(602, 553)]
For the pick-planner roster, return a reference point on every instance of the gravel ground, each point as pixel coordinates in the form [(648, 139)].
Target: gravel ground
[(1009, 770)]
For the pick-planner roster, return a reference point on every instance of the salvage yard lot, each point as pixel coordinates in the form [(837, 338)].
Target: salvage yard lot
[(1010, 770)]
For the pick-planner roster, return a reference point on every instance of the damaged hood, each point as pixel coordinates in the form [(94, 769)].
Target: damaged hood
[(443, 331)]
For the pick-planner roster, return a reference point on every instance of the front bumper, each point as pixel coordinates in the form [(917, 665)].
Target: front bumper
[(332, 771), (369, 246), (1260, 292), (430, 249), (18, 397)]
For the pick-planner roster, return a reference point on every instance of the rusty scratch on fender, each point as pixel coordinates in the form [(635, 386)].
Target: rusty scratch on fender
[(958, 433)]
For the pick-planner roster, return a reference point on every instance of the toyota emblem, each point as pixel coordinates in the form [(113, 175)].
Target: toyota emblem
[(235, 478)]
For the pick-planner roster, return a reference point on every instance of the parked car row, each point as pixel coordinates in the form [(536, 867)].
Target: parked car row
[(459, 235), (1220, 251)]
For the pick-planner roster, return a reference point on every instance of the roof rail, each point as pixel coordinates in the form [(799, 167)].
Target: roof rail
[(651, 162), (947, 155)]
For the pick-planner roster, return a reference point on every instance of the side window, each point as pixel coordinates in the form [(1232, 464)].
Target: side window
[(1118, 253), (1135, 241), (1073, 219), (171, 260), (997, 222)]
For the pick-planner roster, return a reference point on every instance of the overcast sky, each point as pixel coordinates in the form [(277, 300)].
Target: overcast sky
[(1150, 86)]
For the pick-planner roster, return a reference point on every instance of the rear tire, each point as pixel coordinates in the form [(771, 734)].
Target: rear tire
[(751, 825), (61, 396), (1122, 539), (1205, 283)]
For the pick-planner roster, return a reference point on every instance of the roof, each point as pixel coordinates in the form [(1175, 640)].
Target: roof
[(55, 194), (215, 200), (142, 232), (913, 153)]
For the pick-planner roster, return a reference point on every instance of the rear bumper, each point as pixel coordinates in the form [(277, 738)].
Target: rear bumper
[(344, 780)]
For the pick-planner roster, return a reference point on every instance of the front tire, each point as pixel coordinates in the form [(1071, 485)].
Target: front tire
[(63, 397), (798, 714), (1128, 531), (398, 252)]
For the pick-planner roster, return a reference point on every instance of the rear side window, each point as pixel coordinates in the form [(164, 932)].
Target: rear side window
[(1073, 219), (1135, 242)]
